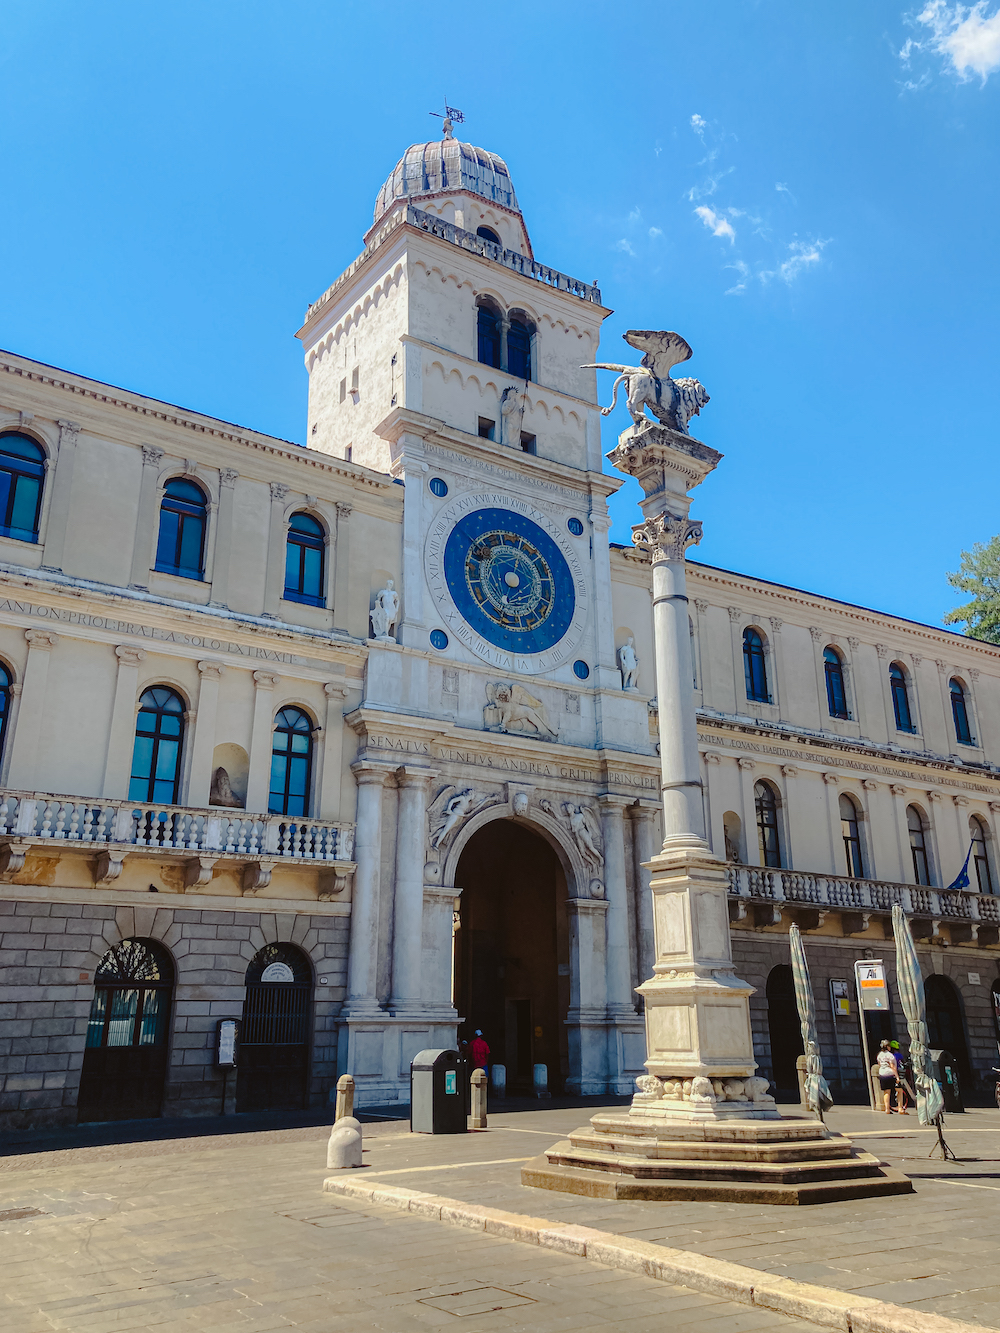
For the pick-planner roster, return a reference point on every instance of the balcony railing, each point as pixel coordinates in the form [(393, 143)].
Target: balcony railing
[(74, 822), (839, 892)]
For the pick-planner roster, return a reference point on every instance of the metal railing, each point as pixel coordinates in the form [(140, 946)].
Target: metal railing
[(860, 895), (67, 819)]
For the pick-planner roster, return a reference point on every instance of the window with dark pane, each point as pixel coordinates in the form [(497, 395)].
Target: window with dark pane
[(156, 757), (836, 691), (519, 349), (755, 667), (488, 234), (180, 547), (767, 824), (22, 469), (5, 684), (960, 712), (900, 698), (980, 855), (305, 554), (291, 763), (851, 834), (918, 845), (488, 320), (131, 1005)]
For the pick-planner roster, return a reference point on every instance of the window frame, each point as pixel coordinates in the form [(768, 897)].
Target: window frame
[(981, 862), (836, 681), (303, 542), (519, 321), (854, 857), (171, 504), (284, 792), (960, 717), (31, 470), (156, 736), (769, 848), (899, 687), (919, 853), (755, 653), (487, 309), (7, 681)]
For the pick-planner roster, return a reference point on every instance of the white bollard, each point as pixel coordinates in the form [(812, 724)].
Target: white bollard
[(498, 1080), (345, 1097), (540, 1079), (344, 1149)]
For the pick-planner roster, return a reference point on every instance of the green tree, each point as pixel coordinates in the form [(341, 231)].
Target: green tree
[(979, 575)]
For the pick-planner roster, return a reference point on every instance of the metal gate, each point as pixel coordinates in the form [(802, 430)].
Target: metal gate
[(273, 1061), (125, 1060)]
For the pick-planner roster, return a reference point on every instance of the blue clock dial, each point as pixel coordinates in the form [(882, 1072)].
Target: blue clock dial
[(509, 580)]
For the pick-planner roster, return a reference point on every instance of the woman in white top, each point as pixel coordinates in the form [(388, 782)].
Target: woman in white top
[(888, 1074)]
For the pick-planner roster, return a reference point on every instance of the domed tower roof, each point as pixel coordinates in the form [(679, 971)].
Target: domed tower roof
[(447, 164)]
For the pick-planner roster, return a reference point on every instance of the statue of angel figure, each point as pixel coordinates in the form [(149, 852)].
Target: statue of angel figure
[(456, 808), (629, 664), (385, 611), (672, 402), (585, 835)]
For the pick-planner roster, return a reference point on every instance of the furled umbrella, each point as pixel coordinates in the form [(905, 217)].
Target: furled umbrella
[(818, 1095), (930, 1102)]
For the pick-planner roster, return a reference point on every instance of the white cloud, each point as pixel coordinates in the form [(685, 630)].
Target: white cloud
[(625, 248), (802, 255), (743, 270), (655, 233), (698, 122), (964, 35), (635, 215), (716, 223)]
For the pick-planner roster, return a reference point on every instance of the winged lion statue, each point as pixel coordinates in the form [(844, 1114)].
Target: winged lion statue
[(672, 402)]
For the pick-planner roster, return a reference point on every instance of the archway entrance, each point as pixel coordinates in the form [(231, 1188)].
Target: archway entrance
[(273, 1061), (785, 1032), (944, 1023), (512, 951), (125, 1060)]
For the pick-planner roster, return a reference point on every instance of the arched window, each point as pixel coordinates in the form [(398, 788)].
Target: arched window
[(767, 824), (305, 552), (960, 712), (180, 548), (125, 1058), (22, 469), (156, 758), (488, 234), (900, 698), (755, 667), (980, 855), (291, 763), (918, 845), (5, 684), (519, 348), (836, 690), (852, 838), (488, 321)]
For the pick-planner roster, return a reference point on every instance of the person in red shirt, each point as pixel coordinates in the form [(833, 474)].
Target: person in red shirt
[(480, 1051)]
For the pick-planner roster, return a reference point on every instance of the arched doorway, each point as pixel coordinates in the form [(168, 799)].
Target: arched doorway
[(125, 1059), (512, 951), (945, 1027), (785, 1032), (273, 1062)]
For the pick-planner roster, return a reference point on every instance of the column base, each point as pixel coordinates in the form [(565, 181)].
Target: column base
[(376, 1050)]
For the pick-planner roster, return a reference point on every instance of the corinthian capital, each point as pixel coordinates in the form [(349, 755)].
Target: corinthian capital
[(666, 537)]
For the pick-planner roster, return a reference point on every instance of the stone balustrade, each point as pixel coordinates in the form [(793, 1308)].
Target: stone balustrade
[(30, 816), (841, 893)]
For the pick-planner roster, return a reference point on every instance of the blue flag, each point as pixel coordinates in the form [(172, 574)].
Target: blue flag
[(962, 879)]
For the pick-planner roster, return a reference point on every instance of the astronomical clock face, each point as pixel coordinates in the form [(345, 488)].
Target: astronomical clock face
[(507, 582)]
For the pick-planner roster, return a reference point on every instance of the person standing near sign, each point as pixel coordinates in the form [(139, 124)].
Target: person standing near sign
[(480, 1051), (888, 1074), (904, 1073)]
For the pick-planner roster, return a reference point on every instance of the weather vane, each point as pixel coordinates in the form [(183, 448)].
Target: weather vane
[(451, 117)]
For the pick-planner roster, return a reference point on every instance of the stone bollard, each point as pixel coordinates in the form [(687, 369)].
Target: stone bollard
[(344, 1149), (345, 1097), (498, 1080), (540, 1079), (479, 1085)]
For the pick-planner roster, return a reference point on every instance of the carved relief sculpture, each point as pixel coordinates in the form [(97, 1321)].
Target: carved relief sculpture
[(448, 811), (385, 611), (629, 664), (222, 792), (512, 709), (586, 835), (672, 402)]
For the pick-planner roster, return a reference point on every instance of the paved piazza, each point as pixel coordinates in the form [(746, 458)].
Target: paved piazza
[(234, 1232)]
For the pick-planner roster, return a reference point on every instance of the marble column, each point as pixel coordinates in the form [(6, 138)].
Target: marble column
[(644, 841), (23, 772), (146, 526), (620, 1000), (362, 965), (121, 734), (261, 744), (203, 746), (408, 898), (697, 1010)]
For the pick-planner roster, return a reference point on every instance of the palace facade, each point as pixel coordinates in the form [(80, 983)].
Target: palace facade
[(341, 741)]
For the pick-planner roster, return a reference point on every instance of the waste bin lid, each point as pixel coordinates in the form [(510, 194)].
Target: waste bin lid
[(431, 1059)]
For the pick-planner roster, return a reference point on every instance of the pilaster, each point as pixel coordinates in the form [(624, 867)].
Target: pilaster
[(62, 491), (24, 754), (274, 579), (121, 734), (261, 744), (146, 525), (203, 746), (222, 564), (342, 571)]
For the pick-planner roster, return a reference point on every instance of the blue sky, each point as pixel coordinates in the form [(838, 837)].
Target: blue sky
[(807, 192)]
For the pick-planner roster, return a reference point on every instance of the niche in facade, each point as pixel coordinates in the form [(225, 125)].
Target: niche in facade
[(234, 762)]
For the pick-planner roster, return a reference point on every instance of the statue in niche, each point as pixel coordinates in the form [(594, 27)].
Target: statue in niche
[(385, 611), (222, 792), (672, 402), (629, 664), (510, 416), (585, 834), (512, 709)]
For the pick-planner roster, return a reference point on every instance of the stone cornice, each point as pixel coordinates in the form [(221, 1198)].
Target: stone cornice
[(152, 409)]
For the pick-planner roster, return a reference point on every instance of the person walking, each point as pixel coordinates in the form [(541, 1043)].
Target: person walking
[(480, 1051), (904, 1074), (888, 1074)]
